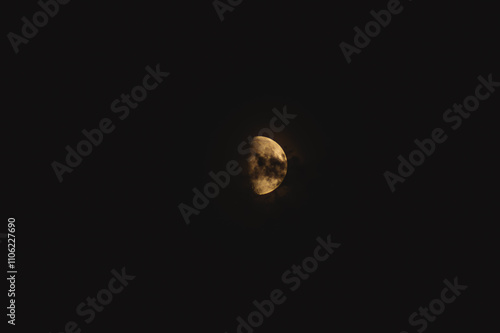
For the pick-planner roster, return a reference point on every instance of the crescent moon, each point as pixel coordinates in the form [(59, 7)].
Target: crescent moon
[(267, 165)]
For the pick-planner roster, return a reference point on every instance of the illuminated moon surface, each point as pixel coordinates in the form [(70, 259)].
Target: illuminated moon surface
[(267, 165)]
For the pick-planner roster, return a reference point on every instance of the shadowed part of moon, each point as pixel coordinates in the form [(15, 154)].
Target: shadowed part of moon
[(267, 165)]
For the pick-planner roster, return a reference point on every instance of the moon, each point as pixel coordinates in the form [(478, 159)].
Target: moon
[(267, 165)]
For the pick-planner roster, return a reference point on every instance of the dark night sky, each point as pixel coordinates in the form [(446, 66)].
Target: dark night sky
[(119, 207)]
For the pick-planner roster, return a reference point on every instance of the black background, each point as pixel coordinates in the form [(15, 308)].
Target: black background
[(120, 206)]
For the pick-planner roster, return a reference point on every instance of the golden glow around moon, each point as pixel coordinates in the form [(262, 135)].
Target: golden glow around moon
[(267, 165)]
